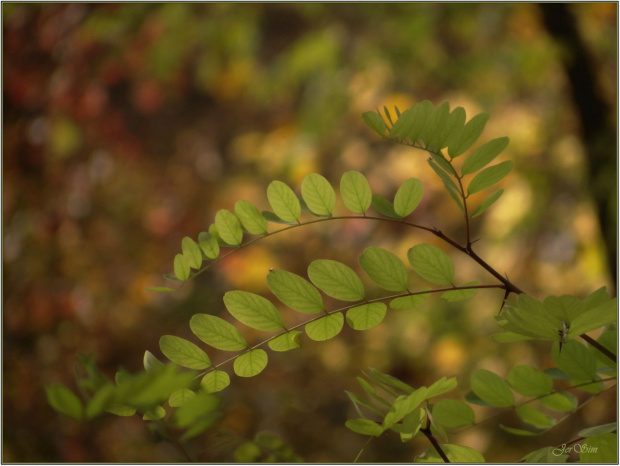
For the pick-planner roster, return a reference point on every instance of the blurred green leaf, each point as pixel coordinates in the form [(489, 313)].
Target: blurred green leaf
[(453, 413), (65, 401), (529, 381)]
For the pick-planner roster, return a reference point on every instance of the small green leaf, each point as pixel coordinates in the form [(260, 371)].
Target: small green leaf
[(283, 201), (295, 291), (355, 192), (100, 401), (384, 207), (359, 401), (150, 362), (215, 381), (364, 427), (325, 328), (574, 359), (441, 386), (195, 409), (384, 268), (192, 252), (121, 410), (410, 424), (591, 319), (491, 388), (228, 227), (273, 218), (404, 405), (389, 381), (408, 302), (469, 135), (253, 310), (413, 122), (598, 430), (65, 401), (600, 449), (178, 398), (484, 155), (154, 414), (183, 352), (251, 218), (181, 267), (336, 280), (529, 381), (453, 413), (489, 176), (534, 417), (366, 316), (209, 245), (431, 263), (444, 175), (286, 341), (251, 363), (375, 122), (217, 332), (460, 295), (562, 401), (436, 136), (408, 197), (456, 123), (488, 202), (318, 194)]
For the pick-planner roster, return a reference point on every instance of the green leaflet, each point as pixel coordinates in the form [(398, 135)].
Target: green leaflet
[(408, 302), (216, 332), (192, 253), (295, 291), (251, 218), (384, 268), (100, 401), (562, 401), (228, 227), (183, 352), (529, 381), (215, 381), (444, 175), (408, 197), (491, 388), (598, 430), (488, 202), (455, 453), (251, 363), (484, 155), (178, 398), (534, 417), (359, 401), (253, 310), (158, 412), (181, 267), (469, 135), (591, 319), (366, 316), (65, 401), (355, 192), (286, 341), (273, 218), (375, 122), (386, 381), (364, 427), (460, 295), (434, 136), (413, 122), (529, 317), (283, 201), (371, 391), (574, 359), (453, 413), (208, 244), (441, 386), (453, 129), (194, 409), (404, 405), (384, 207), (410, 424), (336, 280), (489, 176), (325, 328), (150, 362), (318, 194), (600, 449), (431, 263)]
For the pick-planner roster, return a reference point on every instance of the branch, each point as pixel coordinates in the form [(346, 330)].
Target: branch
[(431, 438)]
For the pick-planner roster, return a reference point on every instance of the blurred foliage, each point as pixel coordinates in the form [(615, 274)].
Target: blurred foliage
[(128, 125)]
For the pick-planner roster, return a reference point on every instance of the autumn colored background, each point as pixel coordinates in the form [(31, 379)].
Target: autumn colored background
[(127, 126)]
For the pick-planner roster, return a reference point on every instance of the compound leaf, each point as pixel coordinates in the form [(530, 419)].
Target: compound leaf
[(408, 197), (181, 267), (65, 401), (336, 280), (286, 341), (251, 218), (529, 381), (209, 245), (251, 363), (489, 176), (355, 192), (366, 316), (217, 332), (215, 381), (484, 155), (384, 207), (294, 291), (318, 194), (491, 388), (192, 252), (325, 328), (384, 268), (253, 310), (228, 227), (453, 413), (283, 201), (431, 263), (488, 202), (183, 352)]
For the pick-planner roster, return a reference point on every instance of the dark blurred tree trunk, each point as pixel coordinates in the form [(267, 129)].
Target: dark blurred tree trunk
[(596, 119)]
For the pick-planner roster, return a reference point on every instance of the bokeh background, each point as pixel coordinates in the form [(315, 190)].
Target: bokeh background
[(127, 126)]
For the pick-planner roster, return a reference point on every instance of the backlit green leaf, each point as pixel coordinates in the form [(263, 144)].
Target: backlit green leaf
[(408, 302), (283, 201), (460, 295), (489, 176), (431, 263), (251, 363), (366, 316), (364, 427), (453, 413), (469, 135), (181, 267), (491, 388), (251, 218), (318, 194), (441, 386), (253, 310), (192, 252), (410, 425), (294, 291), (600, 449), (384, 268), (355, 192), (179, 397), (574, 359), (375, 122), (455, 125), (286, 341), (591, 319), (404, 405), (325, 328), (413, 122), (562, 401), (101, 400), (209, 245), (215, 381), (488, 202), (183, 352), (194, 409), (336, 280), (598, 430), (64, 401), (228, 227), (534, 417), (273, 218), (484, 155), (384, 207), (408, 197), (217, 332), (434, 136), (387, 380), (529, 381), (150, 362), (154, 414)]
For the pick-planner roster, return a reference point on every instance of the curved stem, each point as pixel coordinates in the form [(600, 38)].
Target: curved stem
[(431, 438)]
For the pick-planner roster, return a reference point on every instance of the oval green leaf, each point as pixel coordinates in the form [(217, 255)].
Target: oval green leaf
[(384, 268), (192, 252), (484, 155), (318, 194), (253, 310), (283, 201), (325, 328), (489, 176), (431, 263), (336, 280), (228, 227), (488, 202), (251, 218), (384, 207), (562, 401), (491, 388), (181, 267), (150, 362), (355, 192), (366, 316), (217, 332), (215, 381), (251, 363), (64, 401), (534, 417), (294, 291), (469, 135), (408, 197), (183, 352), (453, 413), (364, 427), (574, 359), (286, 341), (529, 381), (208, 244), (178, 398)]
